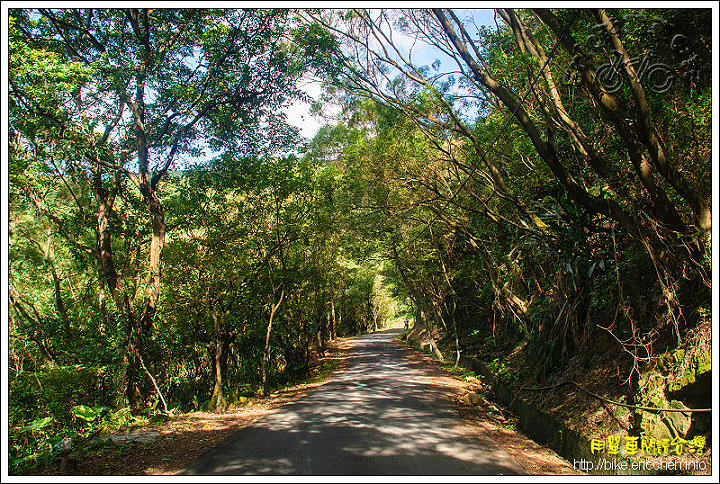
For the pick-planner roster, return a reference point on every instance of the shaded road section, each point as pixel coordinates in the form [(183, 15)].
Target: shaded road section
[(380, 416)]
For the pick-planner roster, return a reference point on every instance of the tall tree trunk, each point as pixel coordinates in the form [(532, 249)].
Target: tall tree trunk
[(157, 243), (326, 327), (59, 304), (132, 346), (131, 364), (546, 150)]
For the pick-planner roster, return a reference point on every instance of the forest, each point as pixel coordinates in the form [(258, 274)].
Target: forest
[(537, 195)]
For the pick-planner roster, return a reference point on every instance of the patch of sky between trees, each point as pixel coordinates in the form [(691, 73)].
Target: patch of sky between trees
[(298, 113)]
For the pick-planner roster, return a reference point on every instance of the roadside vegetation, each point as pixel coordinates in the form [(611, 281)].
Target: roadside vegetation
[(538, 196)]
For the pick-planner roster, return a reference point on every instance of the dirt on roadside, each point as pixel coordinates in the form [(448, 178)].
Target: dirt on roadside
[(493, 425)]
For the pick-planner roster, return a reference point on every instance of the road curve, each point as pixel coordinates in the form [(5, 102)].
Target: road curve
[(378, 417)]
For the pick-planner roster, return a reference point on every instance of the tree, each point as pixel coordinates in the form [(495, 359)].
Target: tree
[(556, 169), (142, 89)]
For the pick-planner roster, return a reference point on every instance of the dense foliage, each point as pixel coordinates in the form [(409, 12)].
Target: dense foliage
[(139, 276), (173, 243), (542, 189)]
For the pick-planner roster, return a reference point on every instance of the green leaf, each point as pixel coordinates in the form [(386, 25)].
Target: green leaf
[(38, 424), (84, 412)]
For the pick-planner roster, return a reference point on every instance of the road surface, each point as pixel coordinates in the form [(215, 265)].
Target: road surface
[(378, 417)]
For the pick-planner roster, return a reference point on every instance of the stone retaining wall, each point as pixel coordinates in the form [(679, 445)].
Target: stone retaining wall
[(543, 428)]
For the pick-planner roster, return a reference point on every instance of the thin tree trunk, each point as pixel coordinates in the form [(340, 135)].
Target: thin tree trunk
[(321, 343), (59, 305), (338, 324), (266, 351), (455, 331), (429, 329), (152, 379), (332, 328), (58, 300), (647, 134), (102, 308), (217, 401), (326, 328), (546, 150)]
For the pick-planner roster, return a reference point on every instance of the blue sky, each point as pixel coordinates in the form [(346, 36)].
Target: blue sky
[(422, 54)]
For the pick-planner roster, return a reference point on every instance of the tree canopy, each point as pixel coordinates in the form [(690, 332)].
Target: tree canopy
[(175, 243)]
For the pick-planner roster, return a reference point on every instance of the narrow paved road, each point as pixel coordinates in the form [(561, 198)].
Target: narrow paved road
[(378, 417)]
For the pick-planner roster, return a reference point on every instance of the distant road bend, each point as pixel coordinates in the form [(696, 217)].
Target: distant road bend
[(377, 417)]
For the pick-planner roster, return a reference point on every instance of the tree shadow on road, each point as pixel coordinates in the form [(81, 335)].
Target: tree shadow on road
[(379, 417)]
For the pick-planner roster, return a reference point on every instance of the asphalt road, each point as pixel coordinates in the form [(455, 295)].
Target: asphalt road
[(378, 417)]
